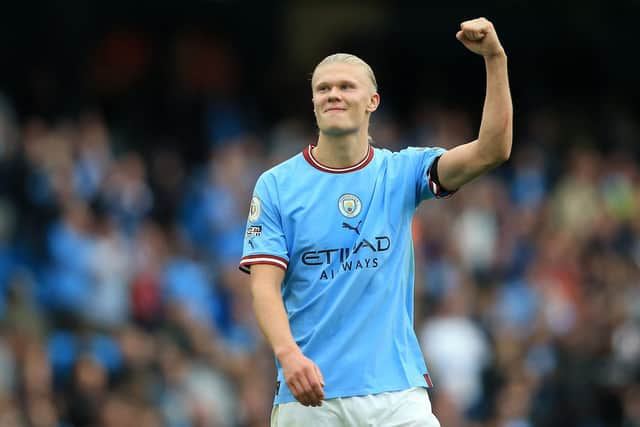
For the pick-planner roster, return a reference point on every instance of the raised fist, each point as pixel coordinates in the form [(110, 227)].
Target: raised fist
[(479, 36)]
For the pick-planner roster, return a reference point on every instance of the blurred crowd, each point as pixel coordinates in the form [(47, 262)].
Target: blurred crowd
[(121, 303)]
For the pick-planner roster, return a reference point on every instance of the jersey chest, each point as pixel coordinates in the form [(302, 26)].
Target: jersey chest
[(338, 217)]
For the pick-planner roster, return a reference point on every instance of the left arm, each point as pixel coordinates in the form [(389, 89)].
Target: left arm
[(493, 146)]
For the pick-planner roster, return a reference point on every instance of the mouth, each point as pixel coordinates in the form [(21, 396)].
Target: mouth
[(334, 109)]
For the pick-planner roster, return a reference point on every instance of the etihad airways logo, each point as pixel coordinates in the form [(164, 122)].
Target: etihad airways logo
[(364, 254)]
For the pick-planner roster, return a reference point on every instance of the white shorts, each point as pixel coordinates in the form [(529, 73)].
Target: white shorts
[(410, 407)]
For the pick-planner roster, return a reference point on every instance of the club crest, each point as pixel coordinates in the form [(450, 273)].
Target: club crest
[(349, 205)]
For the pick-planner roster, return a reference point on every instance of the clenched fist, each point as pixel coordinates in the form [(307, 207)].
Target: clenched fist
[(479, 36)]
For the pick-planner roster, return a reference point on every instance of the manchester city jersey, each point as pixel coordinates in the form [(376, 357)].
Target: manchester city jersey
[(343, 237)]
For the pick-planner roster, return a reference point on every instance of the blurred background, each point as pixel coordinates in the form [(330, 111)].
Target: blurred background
[(132, 133)]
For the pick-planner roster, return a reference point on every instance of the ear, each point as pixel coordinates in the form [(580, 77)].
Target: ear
[(374, 101)]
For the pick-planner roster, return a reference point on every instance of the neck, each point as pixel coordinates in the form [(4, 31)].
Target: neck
[(341, 151)]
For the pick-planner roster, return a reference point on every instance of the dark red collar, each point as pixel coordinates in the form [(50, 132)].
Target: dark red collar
[(308, 155)]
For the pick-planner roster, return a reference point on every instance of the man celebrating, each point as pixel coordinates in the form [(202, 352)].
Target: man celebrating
[(328, 246)]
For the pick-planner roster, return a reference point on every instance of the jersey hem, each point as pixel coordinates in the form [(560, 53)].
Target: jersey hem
[(354, 393)]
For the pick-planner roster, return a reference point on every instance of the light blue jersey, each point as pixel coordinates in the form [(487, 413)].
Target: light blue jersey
[(343, 236)]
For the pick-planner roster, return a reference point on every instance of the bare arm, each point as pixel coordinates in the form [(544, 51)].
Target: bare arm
[(301, 374), (493, 146)]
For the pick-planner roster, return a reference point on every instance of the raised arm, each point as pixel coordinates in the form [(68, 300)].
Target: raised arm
[(493, 146), (301, 374)]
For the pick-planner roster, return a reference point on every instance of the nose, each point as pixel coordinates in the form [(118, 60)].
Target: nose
[(334, 94)]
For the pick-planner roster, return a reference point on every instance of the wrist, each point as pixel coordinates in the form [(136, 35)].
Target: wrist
[(499, 55), (285, 350)]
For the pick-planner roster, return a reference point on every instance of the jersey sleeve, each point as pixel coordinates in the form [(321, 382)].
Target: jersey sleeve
[(264, 239), (422, 160)]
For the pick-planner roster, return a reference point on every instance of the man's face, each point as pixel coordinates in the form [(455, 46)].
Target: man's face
[(343, 98)]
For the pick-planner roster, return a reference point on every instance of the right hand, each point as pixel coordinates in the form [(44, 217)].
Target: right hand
[(479, 36), (303, 377)]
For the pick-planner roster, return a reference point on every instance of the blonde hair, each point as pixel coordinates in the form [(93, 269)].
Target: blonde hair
[(347, 58)]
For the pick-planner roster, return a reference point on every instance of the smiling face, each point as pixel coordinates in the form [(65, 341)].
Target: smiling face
[(344, 96)]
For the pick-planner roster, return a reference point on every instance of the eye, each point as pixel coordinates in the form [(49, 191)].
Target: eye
[(322, 88), (346, 86)]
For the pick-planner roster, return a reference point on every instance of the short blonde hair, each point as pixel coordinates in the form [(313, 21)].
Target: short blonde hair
[(347, 58)]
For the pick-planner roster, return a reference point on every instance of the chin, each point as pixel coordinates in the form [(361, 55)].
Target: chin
[(337, 130)]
